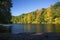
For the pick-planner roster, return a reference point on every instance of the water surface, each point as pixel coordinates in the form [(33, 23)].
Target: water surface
[(38, 28)]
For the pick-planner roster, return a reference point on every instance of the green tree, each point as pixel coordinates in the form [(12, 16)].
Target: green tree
[(5, 6)]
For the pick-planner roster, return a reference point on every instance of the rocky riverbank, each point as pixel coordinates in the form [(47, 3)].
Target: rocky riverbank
[(30, 36)]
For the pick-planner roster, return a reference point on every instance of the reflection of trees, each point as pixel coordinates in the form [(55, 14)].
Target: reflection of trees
[(4, 29), (25, 28), (38, 27), (53, 28), (57, 27), (43, 28), (29, 27), (49, 27)]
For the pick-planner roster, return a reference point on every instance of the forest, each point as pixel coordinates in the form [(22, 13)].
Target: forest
[(44, 16)]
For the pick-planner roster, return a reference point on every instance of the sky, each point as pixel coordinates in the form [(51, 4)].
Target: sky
[(26, 6)]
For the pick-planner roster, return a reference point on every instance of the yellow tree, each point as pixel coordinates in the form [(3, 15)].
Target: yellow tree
[(29, 18), (38, 14), (57, 20), (48, 15), (25, 19)]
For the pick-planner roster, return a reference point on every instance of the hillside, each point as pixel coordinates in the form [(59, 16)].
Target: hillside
[(44, 15)]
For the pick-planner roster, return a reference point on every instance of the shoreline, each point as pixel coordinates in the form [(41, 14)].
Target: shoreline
[(30, 36)]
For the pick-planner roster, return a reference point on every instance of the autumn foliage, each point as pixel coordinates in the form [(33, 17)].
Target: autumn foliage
[(44, 15)]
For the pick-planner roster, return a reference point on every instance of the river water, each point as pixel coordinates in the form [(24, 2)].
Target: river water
[(25, 28)]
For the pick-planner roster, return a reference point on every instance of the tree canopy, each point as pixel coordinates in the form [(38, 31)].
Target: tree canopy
[(5, 14)]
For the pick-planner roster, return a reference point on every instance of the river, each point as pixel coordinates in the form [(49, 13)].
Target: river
[(37, 28)]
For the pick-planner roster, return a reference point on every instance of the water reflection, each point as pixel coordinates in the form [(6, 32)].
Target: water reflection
[(42, 28), (5, 29), (25, 28), (57, 26), (53, 28), (49, 28), (38, 28), (29, 27)]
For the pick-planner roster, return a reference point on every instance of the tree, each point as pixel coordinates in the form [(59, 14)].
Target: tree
[(56, 5), (5, 6)]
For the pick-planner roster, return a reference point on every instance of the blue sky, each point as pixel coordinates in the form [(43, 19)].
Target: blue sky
[(25, 6)]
